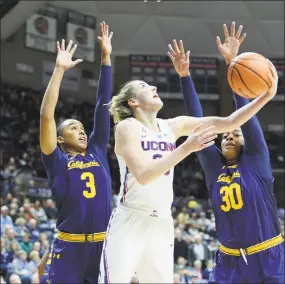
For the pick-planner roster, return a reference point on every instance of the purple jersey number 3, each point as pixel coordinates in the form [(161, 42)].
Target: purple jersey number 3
[(158, 156)]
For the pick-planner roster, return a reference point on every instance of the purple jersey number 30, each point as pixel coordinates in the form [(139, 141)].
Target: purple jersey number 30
[(158, 156)]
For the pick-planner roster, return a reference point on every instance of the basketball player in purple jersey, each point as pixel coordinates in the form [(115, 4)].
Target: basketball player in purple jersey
[(78, 172), (240, 183)]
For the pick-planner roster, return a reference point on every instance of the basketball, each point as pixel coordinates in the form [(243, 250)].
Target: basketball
[(247, 75)]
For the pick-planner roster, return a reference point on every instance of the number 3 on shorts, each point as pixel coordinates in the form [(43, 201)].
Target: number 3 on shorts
[(231, 195), (158, 156)]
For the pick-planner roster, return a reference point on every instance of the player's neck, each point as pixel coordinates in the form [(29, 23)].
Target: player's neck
[(231, 162), (73, 152), (148, 119)]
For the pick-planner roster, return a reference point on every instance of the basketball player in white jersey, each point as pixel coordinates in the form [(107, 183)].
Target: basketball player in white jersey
[(140, 235)]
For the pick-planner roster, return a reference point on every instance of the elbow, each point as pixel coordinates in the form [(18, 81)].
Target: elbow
[(43, 113), (46, 115)]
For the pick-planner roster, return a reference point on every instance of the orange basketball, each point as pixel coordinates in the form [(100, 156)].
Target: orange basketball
[(247, 75)]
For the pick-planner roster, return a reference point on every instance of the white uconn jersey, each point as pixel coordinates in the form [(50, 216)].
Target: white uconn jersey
[(157, 195)]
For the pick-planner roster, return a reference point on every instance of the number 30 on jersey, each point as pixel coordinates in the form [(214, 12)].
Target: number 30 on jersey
[(231, 196)]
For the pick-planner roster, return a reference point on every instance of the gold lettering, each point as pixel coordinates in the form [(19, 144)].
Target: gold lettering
[(228, 179), (80, 165)]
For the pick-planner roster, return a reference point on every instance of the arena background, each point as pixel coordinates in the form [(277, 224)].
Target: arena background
[(142, 30)]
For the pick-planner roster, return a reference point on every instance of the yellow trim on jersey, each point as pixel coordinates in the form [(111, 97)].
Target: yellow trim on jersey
[(82, 238), (253, 249)]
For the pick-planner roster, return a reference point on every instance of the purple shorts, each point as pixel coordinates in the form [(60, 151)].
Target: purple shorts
[(263, 267), (75, 262)]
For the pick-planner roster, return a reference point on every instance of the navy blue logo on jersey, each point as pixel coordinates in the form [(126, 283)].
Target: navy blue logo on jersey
[(161, 146), (144, 133)]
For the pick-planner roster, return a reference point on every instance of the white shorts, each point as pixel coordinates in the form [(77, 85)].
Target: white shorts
[(138, 243)]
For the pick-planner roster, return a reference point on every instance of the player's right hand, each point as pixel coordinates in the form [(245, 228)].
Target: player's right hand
[(200, 139), (273, 80), (64, 55)]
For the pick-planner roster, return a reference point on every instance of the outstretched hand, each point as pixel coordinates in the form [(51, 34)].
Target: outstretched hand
[(64, 55), (200, 139), (229, 49), (180, 60), (105, 39)]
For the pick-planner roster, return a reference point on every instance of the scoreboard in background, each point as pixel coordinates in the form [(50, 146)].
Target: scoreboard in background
[(159, 71), (279, 65), (81, 29)]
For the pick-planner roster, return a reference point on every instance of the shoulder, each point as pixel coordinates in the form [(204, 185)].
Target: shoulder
[(260, 165), (54, 161), (125, 123), (127, 126), (126, 131), (56, 153)]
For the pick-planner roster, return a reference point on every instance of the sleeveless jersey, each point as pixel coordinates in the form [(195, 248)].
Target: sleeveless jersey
[(157, 195)]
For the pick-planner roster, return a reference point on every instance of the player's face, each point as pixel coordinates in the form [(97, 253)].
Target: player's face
[(146, 97), (73, 135), (231, 144)]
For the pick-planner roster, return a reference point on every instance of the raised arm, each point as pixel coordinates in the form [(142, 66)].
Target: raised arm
[(101, 128), (181, 63), (144, 168), (48, 137), (254, 141), (229, 49), (184, 124), (255, 146)]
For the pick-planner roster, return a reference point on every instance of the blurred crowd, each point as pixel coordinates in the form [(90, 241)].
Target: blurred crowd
[(28, 224), (27, 230)]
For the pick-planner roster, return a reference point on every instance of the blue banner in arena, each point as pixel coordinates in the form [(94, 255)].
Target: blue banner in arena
[(81, 29)]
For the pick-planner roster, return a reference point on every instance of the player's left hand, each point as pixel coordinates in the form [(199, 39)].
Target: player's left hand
[(229, 49), (105, 39), (180, 60)]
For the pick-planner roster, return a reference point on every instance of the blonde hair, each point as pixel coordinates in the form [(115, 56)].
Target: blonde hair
[(20, 221), (119, 107), (34, 254)]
